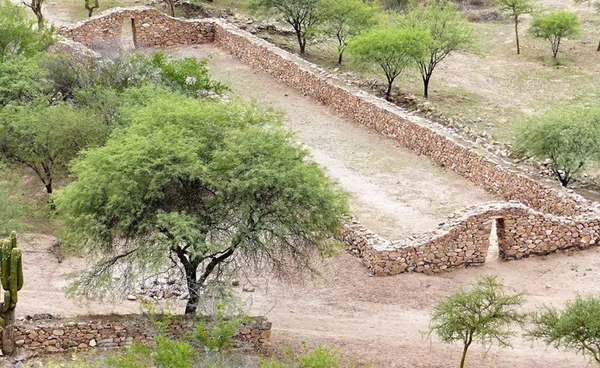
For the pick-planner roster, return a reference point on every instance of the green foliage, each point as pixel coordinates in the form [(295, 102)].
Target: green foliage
[(482, 314), (18, 35), (448, 29), (22, 80), (576, 327), (569, 137), (11, 201), (303, 15), (47, 138), (214, 336), (199, 181), (320, 357), (347, 18), (136, 356), (189, 75), (515, 9), (391, 49), (555, 27)]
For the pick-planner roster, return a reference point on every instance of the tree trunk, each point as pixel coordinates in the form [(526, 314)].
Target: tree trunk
[(464, 355), (171, 7), (426, 79), (40, 18), (8, 343), (598, 49), (192, 304), (340, 55), (90, 12), (193, 289), (388, 92), (517, 35), (301, 41)]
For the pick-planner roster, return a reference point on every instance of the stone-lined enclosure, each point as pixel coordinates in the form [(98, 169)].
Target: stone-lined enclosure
[(113, 331), (540, 218)]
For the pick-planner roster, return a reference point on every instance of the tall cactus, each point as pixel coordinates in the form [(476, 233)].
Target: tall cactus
[(11, 276)]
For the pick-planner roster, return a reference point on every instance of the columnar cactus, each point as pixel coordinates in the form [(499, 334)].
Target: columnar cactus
[(11, 276)]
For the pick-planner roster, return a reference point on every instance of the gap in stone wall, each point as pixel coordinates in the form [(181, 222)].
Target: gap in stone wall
[(128, 34)]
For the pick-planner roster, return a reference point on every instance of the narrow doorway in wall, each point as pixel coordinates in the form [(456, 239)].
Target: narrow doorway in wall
[(493, 253), (128, 35)]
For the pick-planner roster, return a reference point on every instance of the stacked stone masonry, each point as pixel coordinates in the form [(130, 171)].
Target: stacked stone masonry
[(104, 332), (539, 218)]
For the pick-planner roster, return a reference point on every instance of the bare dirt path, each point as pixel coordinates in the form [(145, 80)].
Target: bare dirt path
[(380, 320), (393, 191), (46, 279)]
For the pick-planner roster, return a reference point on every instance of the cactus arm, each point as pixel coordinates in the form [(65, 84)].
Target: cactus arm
[(13, 240), (5, 265), (15, 256), (20, 279), (6, 302)]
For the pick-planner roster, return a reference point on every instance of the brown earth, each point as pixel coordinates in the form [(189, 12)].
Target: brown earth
[(375, 320), (393, 191)]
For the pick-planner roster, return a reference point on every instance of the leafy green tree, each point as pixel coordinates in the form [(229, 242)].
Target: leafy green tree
[(482, 314), (515, 9), (17, 33), (393, 50), (303, 15), (449, 32), (90, 5), (22, 80), (576, 327), (11, 201), (46, 138), (596, 5), (555, 27), (346, 19), (197, 184), (570, 138), (36, 8)]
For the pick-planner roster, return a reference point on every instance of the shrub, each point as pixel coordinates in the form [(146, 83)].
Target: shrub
[(569, 137), (576, 327), (555, 27)]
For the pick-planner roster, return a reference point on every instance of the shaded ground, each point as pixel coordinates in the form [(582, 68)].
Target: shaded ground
[(393, 191)]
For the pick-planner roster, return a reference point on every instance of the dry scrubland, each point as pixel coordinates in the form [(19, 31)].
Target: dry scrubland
[(378, 321)]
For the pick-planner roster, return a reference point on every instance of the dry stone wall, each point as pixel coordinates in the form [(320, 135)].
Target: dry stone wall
[(104, 332), (148, 27), (540, 218)]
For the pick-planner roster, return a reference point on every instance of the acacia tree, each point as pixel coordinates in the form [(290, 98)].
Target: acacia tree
[(576, 327), (596, 5), (302, 15), (515, 9), (555, 27), (18, 35), (449, 32), (47, 138), (482, 314), (36, 8), (198, 185), (90, 5), (392, 50), (346, 19), (570, 138)]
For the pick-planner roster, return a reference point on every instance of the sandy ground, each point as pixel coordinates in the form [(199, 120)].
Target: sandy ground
[(377, 321), (393, 191)]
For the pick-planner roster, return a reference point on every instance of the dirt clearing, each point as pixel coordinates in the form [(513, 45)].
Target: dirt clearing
[(393, 191)]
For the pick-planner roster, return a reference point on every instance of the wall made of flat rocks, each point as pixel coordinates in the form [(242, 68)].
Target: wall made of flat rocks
[(464, 240), (114, 331), (541, 218), (422, 136), (147, 27)]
